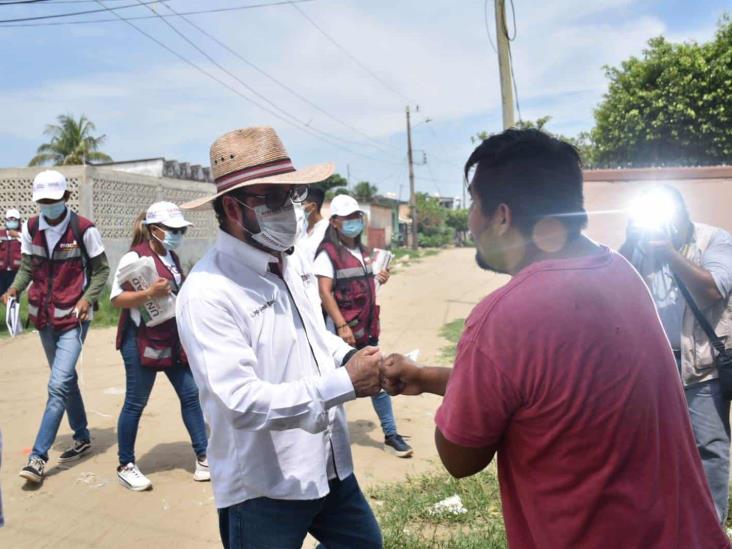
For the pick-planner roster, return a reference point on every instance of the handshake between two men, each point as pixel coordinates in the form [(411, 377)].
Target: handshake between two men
[(370, 372)]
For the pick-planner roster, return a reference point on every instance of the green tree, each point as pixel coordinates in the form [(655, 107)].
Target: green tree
[(336, 184), (583, 142), (72, 142), (364, 191), (457, 220), (432, 228), (670, 106)]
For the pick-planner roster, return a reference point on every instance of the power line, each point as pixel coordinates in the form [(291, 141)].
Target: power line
[(350, 55), (278, 82), (488, 26), (513, 79), (22, 2), (248, 87), (510, 57), (86, 12), (218, 80), (513, 16)]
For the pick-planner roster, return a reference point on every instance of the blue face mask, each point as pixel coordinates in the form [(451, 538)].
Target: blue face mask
[(171, 241), (12, 224), (53, 211), (352, 227)]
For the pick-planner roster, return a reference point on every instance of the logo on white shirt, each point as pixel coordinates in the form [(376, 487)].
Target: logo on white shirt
[(256, 312)]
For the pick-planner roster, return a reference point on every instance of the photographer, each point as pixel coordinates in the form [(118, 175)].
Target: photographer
[(664, 245)]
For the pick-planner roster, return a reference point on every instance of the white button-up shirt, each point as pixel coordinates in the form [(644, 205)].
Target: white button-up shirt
[(268, 375)]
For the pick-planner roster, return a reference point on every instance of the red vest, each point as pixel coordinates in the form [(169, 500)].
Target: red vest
[(59, 277), (354, 290), (9, 252), (159, 346)]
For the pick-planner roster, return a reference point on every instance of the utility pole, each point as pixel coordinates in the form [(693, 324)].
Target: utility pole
[(412, 195), (504, 64), (348, 176)]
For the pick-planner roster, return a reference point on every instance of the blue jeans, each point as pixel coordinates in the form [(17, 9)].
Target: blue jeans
[(382, 406), (709, 413), (140, 381), (340, 520), (62, 351)]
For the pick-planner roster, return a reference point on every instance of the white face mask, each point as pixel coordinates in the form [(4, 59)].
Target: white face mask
[(277, 228)]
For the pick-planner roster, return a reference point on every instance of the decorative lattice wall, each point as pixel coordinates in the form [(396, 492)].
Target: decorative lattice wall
[(119, 197), (117, 203), (203, 221), (16, 190), (113, 199)]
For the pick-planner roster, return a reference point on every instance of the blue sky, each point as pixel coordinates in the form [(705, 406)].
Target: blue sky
[(431, 53)]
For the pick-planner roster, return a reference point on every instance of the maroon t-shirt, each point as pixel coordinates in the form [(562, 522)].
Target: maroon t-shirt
[(567, 373)]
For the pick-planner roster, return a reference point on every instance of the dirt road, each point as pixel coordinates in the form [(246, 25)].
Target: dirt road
[(83, 506)]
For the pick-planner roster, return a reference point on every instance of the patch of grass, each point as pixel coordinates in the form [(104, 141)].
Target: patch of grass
[(104, 317), (407, 256), (406, 522), (451, 332)]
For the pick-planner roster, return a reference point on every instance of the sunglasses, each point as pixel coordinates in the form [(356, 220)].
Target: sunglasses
[(277, 199), (172, 230)]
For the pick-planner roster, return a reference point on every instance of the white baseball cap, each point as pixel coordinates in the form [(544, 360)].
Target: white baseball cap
[(343, 205), (49, 185), (12, 213), (166, 213)]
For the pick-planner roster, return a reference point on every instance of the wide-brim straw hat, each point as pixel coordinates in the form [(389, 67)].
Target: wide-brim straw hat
[(254, 156)]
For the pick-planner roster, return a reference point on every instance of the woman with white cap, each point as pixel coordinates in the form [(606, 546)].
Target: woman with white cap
[(10, 254), (147, 350), (347, 287)]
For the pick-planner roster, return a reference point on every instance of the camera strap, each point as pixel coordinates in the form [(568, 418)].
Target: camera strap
[(715, 340)]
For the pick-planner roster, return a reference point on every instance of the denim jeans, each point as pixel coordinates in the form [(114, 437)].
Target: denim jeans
[(62, 351), (340, 520), (709, 413), (382, 406), (140, 381)]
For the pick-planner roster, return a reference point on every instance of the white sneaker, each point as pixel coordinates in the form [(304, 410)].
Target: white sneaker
[(202, 473), (131, 477)]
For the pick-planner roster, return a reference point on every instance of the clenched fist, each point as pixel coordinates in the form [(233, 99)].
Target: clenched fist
[(364, 371), (401, 376)]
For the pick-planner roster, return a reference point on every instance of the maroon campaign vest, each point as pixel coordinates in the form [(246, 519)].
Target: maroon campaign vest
[(354, 290), (59, 275), (9, 252), (159, 346)]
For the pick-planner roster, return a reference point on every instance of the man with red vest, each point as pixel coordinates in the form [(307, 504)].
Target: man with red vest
[(9, 249), (63, 256)]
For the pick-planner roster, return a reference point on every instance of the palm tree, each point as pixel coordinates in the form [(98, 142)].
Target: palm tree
[(71, 142)]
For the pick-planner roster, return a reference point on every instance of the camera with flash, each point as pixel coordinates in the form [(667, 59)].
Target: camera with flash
[(653, 214)]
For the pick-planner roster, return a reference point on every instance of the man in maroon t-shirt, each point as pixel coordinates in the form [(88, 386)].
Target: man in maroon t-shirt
[(565, 372)]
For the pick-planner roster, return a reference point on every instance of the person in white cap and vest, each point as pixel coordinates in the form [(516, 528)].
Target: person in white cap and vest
[(347, 286), (9, 249), (63, 255), (272, 379), (147, 350)]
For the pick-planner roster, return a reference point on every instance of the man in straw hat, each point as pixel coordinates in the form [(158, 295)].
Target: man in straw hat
[(267, 369)]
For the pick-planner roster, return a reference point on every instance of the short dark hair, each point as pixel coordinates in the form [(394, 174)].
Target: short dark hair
[(218, 205), (533, 173), (316, 195)]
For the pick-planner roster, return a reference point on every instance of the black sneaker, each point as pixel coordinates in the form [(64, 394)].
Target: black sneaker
[(33, 472), (396, 445), (79, 448)]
